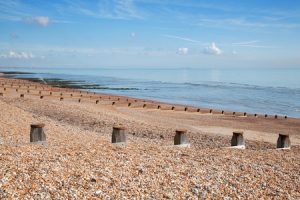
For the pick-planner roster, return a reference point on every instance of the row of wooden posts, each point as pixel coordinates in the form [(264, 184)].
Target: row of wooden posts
[(37, 134), (144, 105)]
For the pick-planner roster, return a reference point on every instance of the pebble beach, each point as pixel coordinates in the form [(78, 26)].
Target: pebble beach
[(78, 160)]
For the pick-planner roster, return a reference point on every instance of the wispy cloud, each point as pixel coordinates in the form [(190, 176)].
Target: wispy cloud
[(39, 20), (17, 55), (231, 23), (245, 42), (182, 38), (106, 9), (13, 10), (252, 44)]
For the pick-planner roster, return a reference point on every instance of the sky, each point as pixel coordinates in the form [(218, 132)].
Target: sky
[(150, 33)]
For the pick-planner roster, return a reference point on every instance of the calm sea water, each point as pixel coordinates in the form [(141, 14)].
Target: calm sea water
[(272, 91)]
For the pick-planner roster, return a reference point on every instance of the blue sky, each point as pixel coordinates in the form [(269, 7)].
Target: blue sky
[(150, 33)]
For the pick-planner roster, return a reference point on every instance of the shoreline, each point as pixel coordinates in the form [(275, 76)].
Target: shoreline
[(78, 159), (62, 83)]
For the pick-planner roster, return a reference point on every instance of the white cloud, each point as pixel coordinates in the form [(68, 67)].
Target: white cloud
[(17, 55), (183, 51), (212, 50), (39, 20)]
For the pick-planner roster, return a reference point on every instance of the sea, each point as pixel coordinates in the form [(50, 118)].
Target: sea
[(261, 91)]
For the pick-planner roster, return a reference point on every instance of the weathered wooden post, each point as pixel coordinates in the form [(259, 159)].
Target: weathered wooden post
[(198, 110), (233, 113), (245, 114), (113, 103), (37, 133), (222, 112), (61, 98), (275, 116), (172, 108), (237, 139), (97, 101), (129, 104), (17, 90), (186, 108), (1, 94), (181, 138), (118, 134), (145, 105), (158, 107), (40, 92), (50, 93), (22, 95), (283, 141), (79, 100), (41, 97), (211, 110), (266, 115)]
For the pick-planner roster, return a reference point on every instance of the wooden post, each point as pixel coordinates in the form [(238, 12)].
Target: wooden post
[(181, 138), (129, 104), (37, 133), (118, 134), (61, 98), (79, 100), (22, 95), (97, 101), (1, 94), (245, 114), (113, 103), (186, 108), (237, 139), (41, 97), (158, 107), (283, 141), (144, 106)]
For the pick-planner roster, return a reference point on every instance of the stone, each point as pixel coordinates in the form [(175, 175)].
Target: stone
[(37, 133), (118, 134), (283, 141)]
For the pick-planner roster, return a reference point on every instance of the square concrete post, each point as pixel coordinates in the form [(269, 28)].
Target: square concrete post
[(283, 141), (37, 133), (237, 139), (118, 134), (181, 138)]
